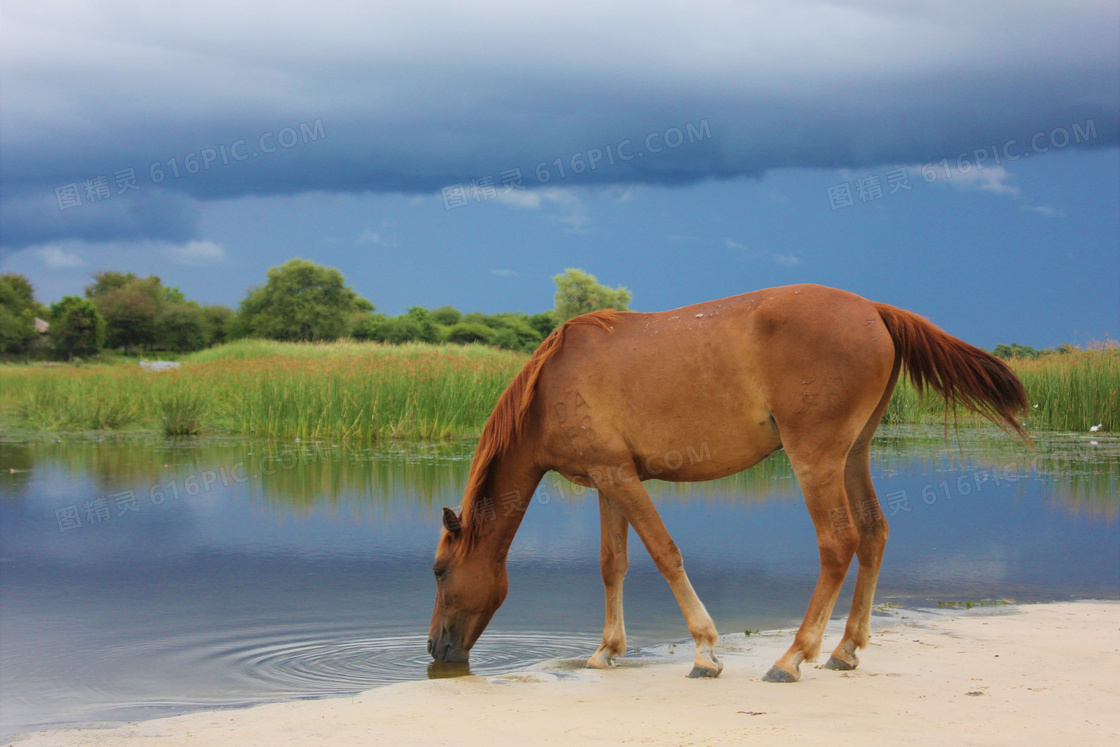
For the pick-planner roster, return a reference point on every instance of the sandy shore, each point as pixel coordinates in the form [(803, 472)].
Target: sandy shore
[(1037, 674)]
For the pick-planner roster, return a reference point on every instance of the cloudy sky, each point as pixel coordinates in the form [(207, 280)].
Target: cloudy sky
[(959, 159)]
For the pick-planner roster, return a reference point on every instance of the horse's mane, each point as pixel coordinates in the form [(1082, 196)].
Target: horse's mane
[(506, 424)]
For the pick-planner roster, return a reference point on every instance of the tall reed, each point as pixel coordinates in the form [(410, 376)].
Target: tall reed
[(340, 391), (364, 392)]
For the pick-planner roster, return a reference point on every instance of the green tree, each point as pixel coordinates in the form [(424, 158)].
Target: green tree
[(425, 326), (446, 316), (543, 323), (466, 332), (219, 319), (130, 305), (514, 331), (182, 327), (76, 327), (18, 310), (301, 301), (109, 280), (578, 292), (130, 317), (370, 327), (173, 295), (1015, 350)]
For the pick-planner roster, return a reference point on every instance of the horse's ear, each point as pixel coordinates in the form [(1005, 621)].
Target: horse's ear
[(451, 522)]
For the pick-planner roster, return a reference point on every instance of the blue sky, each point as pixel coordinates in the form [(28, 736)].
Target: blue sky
[(957, 160)]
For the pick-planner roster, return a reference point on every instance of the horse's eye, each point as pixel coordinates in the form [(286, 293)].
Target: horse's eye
[(439, 572)]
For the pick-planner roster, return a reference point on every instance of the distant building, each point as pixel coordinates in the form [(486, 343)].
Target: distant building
[(159, 365)]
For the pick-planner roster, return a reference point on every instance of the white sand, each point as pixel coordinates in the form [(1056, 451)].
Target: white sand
[(1038, 674)]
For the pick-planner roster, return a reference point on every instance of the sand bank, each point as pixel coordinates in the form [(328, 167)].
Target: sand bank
[(1035, 674)]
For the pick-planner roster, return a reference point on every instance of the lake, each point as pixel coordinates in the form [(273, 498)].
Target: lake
[(142, 578)]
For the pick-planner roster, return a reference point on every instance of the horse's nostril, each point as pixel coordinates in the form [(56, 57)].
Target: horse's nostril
[(431, 646)]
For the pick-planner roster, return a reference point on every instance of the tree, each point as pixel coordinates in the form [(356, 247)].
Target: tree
[(514, 332), (76, 327), (182, 327), (130, 305), (446, 316), (578, 292), (18, 310), (426, 328), (109, 280), (220, 319), (466, 332), (543, 323), (1015, 350), (130, 317), (301, 301)]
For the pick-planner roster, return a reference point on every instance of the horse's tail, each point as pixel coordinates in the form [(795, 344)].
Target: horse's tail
[(959, 372)]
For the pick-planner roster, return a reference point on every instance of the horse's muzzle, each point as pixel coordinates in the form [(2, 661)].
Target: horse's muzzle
[(444, 648)]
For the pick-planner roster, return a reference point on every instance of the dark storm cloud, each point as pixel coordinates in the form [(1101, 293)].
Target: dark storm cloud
[(350, 98)]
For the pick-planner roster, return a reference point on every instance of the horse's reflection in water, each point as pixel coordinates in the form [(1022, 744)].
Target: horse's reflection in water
[(440, 670)]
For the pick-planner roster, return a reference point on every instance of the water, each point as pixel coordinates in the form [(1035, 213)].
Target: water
[(141, 579)]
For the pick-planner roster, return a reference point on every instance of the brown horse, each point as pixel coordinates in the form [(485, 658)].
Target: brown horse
[(611, 399)]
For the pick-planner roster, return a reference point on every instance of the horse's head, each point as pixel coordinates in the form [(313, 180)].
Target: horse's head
[(471, 584)]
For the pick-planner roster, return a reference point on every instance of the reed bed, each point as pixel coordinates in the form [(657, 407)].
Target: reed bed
[(343, 392), (366, 392)]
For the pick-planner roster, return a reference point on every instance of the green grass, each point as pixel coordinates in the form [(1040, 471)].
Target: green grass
[(365, 392), (970, 603), (342, 392)]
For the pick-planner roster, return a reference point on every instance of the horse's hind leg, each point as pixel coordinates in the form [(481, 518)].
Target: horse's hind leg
[(613, 561), (873, 533), (820, 473)]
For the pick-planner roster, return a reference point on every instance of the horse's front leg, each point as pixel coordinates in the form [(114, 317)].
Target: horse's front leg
[(632, 500), (613, 561)]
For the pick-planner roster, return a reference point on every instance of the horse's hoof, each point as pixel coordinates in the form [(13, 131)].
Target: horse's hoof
[(840, 665), (698, 672), (601, 661), (707, 671), (777, 674)]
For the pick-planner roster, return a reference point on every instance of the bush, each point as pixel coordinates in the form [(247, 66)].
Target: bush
[(468, 332)]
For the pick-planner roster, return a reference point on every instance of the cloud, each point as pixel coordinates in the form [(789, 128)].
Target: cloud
[(534, 199), (57, 258), (381, 238), (576, 221), (573, 215), (786, 260), (35, 218), (197, 254), (1048, 211), (352, 97), (505, 273), (992, 179)]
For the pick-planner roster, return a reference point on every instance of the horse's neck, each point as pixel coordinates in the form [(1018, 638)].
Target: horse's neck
[(507, 492)]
